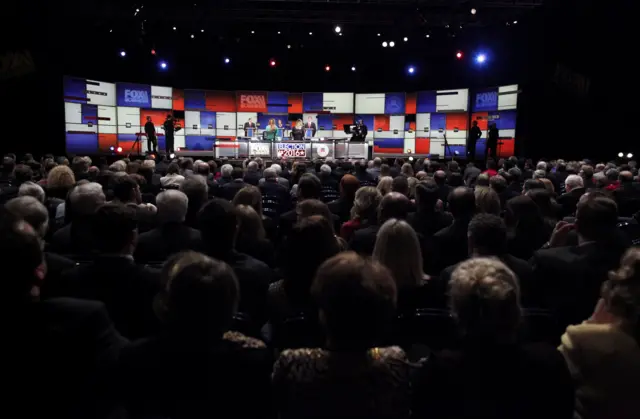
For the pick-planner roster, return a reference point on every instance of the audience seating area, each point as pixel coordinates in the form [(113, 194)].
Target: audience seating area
[(172, 288)]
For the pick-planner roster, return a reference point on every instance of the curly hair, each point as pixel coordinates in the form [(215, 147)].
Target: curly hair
[(621, 293), (365, 205), (61, 177)]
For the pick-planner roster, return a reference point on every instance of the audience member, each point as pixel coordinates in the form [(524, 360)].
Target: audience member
[(451, 242), (226, 172), (341, 207), (385, 184), (364, 212), (487, 201), (440, 177), (574, 187), (329, 186), (251, 196), (230, 189), (471, 173), (196, 189), (275, 196), (173, 178), (627, 195), (252, 175), (252, 238), (527, 230), (308, 187)]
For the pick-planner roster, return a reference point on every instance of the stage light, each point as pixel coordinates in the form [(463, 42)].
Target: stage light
[(338, 29), (446, 26), (137, 10), (630, 155), (621, 154), (278, 32), (175, 29), (384, 44), (515, 22), (201, 30), (110, 30), (353, 68), (474, 11), (192, 36), (272, 63), (405, 39), (411, 69), (481, 58), (252, 32), (163, 65), (112, 148), (153, 52), (327, 68), (227, 60), (310, 33), (288, 46), (172, 155), (379, 35), (428, 36), (123, 53), (410, 158), (459, 55), (392, 44), (340, 34), (119, 149)]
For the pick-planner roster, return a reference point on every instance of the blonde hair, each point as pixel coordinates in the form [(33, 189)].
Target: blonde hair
[(249, 195), (548, 184), (621, 293), (272, 122), (61, 177), (299, 123), (397, 247), (250, 225), (384, 185), (487, 201), (484, 297), (365, 203)]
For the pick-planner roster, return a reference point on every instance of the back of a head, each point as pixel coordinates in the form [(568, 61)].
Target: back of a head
[(487, 235), (484, 297), (407, 169), (483, 180), (440, 177), (586, 172), (492, 164), (397, 247), (30, 210), (596, 218), (202, 168), (195, 187), (487, 201), (85, 199), (8, 165), (385, 170), (217, 222), (385, 184), (523, 213), (270, 174), (357, 300), (349, 185), (309, 187), (394, 205), (325, 170), (400, 184), (173, 168), (462, 203), (113, 228), (32, 189), (366, 203), (311, 207), (199, 295), (250, 227), (426, 196), (573, 182), (22, 174), (621, 293), (515, 173), (20, 251), (252, 166), (531, 184), (172, 206), (498, 183), (226, 170), (125, 188), (249, 195)]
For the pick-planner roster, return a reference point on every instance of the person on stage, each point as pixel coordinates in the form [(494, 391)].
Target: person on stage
[(310, 125), (152, 140), (249, 125), (474, 136), (169, 129), (359, 132), (271, 131), (281, 129), (297, 132), (492, 141)]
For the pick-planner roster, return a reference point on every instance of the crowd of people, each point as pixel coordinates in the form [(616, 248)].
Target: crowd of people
[(172, 288)]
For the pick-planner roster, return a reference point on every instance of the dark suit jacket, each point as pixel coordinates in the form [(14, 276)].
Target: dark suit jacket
[(230, 190), (568, 279), (247, 126), (56, 266), (252, 178), (127, 290), (73, 239), (364, 240), (628, 199), (568, 201), (67, 349), (443, 193), (451, 245), (498, 382), (161, 242), (341, 208), (313, 127)]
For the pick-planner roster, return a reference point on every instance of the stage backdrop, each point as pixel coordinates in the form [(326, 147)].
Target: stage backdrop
[(101, 115)]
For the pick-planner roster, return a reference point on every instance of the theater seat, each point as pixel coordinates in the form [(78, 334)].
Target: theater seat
[(428, 326), (301, 331), (540, 325)]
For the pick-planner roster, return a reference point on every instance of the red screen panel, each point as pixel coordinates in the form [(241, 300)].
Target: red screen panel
[(178, 99), (423, 146), (507, 148), (107, 140), (157, 117), (295, 102), (252, 102), (482, 118), (410, 104), (340, 120), (456, 120), (220, 101), (381, 122)]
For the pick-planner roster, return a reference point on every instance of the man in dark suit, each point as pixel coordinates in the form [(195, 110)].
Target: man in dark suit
[(63, 345), (392, 205), (218, 226), (127, 289), (169, 130), (310, 125), (126, 191), (309, 187), (487, 237), (275, 197), (172, 236), (230, 190), (574, 188), (444, 190), (252, 176), (568, 278), (249, 125), (471, 173), (474, 136), (627, 196), (451, 242), (492, 142), (162, 165), (152, 140)]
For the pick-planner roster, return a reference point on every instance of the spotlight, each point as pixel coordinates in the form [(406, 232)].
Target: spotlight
[(621, 154), (112, 148), (172, 155), (428, 36), (288, 46), (153, 52), (410, 158), (384, 44), (163, 65), (252, 32), (137, 10), (192, 36), (227, 60), (272, 63), (630, 155), (515, 22), (119, 149), (327, 68), (340, 34), (411, 69), (338, 29), (310, 33), (175, 29), (392, 44), (405, 39), (123, 53), (481, 58), (474, 11), (378, 34), (201, 30), (278, 32), (459, 55), (353, 68)]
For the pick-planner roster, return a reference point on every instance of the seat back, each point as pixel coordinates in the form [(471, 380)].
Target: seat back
[(432, 327), (540, 325), (300, 331), (271, 205)]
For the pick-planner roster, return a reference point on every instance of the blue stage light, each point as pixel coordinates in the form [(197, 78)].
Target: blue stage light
[(163, 65), (481, 58), (411, 70), (227, 60)]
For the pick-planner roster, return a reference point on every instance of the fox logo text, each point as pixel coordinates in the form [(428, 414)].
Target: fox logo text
[(252, 102), (136, 96)]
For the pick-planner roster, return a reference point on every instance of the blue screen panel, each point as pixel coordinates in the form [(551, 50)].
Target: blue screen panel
[(277, 102), (438, 121), (199, 142), (208, 120), (394, 103), (82, 143), (504, 119), (389, 142), (455, 151), (485, 100), (426, 102), (312, 102), (75, 90), (195, 99)]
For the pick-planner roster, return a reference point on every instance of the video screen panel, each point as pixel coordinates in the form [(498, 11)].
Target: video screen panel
[(90, 92), (370, 103), (161, 97)]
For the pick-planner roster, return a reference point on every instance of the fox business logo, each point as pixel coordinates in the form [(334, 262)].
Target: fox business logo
[(136, 96), (252, 101)]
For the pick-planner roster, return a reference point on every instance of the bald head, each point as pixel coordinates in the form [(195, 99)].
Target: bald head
[(440, 177), (462, 202), (626, 176), (393, 205)]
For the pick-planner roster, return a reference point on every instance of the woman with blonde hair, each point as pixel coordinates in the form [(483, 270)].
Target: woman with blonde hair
[(364, 211), (251, 237), (487, 201), (297, 132), (603, 353), (251, 196), (271, 130), (398, 248), (384, 185), (60, 181)]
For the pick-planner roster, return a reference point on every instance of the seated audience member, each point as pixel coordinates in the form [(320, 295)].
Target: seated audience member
[(398, 249), (229, 190), (252, 238), (491, 375), (218, 222), (364, 211), (251, 196), (173, 178), (487, 201), (427, 219), (341, 207), (113, 277), (126, 191), (75, 238), (548, 206), (21, 174), (278, 171), (308, 245), (455, 180), (492, 168), (329, 186), (568, 278), (275, 197), (627, 195), (483, 181), (603, 353), (253, 175), (352, 377), (385, 184), (515, 186), (308, 187), (6, 171), (406, 170), (172, 235), (196, 304), (471, 173), (450, 243), (365, 178), (311, 207), (440, 177), (64, 345), (375, 170), (488, 238), (548, 184), (400, 184), (531, 184), (527, 230), (392, 205), (385, 170), (196, 189), (574, 188), (226, 172), (586, 172), (32, 189), (539, 174), (499, 184)]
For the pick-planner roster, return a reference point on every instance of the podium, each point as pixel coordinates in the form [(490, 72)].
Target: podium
[(308, 133), (251, 132)]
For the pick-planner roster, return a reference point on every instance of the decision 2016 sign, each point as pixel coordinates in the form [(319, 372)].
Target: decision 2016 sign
[(291, 150)]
